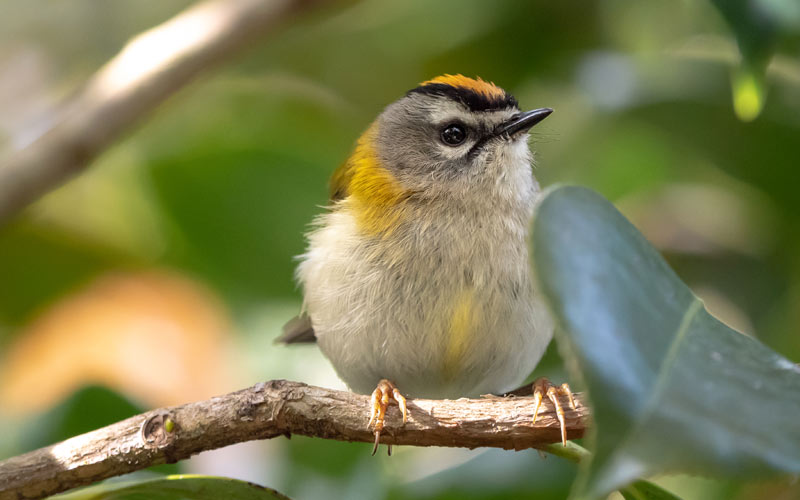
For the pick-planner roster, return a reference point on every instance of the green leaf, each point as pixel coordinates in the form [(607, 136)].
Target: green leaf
[(177, 487), (673, 389), (758, 26), (645, 490), (749, 92), (755, 24)]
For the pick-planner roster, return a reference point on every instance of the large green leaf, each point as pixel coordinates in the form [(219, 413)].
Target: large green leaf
[(178, 487), (673, 389)]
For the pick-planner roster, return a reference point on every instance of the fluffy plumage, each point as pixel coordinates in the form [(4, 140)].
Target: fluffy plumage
[(419, 273)]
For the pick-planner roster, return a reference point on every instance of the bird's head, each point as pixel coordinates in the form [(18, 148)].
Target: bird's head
[(450, 137)]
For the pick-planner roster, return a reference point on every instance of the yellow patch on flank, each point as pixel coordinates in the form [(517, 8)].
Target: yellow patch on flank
[(375, 194), (478, 85), (463, 323)]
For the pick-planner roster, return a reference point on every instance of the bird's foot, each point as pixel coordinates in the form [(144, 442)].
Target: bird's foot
[(543, 387), (381, 397)]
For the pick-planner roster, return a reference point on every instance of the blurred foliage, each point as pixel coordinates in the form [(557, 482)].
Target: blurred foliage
[(644, 490), (220, 184), (87, 409), (759, 26)]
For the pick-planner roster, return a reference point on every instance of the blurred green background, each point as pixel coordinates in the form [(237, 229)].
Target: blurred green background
[(162, 274)]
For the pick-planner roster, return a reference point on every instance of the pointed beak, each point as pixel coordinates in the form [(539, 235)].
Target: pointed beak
[(522, 122)]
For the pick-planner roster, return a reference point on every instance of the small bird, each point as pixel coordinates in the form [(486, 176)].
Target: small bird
[(418, 276)]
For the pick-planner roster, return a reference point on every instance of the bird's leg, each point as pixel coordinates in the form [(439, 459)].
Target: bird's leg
[(541, 388), (381, 396)]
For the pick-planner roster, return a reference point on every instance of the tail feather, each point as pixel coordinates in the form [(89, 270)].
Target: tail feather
[(297, 331)]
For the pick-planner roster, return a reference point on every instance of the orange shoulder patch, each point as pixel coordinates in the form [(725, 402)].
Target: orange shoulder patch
[(374, 194)]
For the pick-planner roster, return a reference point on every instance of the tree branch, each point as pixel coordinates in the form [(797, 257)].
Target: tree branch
[(153, 66), (268, 410)]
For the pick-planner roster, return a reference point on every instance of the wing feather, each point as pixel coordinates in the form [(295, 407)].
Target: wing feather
[(297, 331)]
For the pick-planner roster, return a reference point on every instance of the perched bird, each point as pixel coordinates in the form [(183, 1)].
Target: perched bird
[(418, 276)]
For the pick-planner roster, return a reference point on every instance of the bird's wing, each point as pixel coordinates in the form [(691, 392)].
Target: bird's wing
[(297, 331), (340, 180)]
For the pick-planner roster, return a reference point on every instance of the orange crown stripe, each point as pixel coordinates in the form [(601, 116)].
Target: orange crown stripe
[(478, 85)]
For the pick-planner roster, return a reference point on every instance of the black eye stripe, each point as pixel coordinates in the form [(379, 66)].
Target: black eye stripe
[(478, 147), (485, 136)]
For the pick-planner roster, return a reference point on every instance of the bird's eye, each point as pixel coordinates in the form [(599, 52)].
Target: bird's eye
[(454, 134)]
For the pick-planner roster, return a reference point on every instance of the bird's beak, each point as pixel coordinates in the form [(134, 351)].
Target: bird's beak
[(522, 122)]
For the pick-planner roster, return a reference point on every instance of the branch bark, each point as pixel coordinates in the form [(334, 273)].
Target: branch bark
[(153, 66), (268, 410)]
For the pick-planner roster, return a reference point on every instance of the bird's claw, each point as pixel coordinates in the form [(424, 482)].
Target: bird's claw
[(381, 397), (541, 388)]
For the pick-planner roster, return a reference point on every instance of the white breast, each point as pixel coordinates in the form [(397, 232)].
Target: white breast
[(444, 308)]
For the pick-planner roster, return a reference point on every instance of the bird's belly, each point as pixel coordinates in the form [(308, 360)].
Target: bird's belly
[(438, 329), (465, 350)]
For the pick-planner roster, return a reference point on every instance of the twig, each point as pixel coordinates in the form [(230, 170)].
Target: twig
[(267, 410), (153, 66)]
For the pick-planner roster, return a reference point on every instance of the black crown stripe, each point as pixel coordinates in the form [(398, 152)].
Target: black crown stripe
[(475, 101)]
